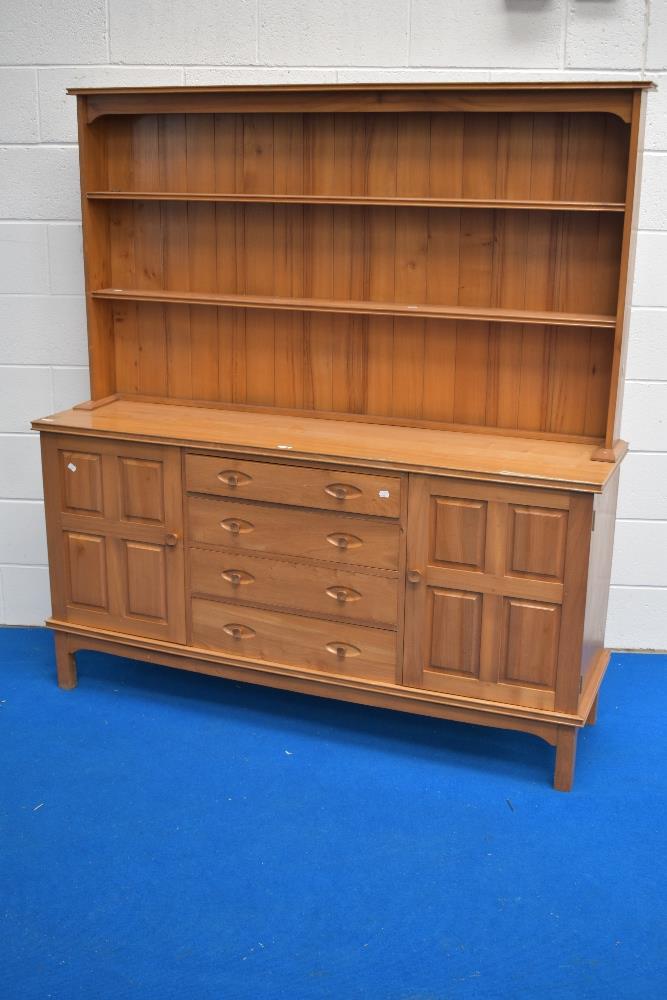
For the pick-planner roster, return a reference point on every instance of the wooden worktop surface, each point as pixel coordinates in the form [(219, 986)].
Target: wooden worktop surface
[(459, 453)]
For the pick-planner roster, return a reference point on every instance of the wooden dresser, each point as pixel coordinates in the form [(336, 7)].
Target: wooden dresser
[(355, 354)]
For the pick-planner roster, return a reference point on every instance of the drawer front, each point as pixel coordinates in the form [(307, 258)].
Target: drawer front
[(308, 643), (333, 591), (310, 534), (331, 489)]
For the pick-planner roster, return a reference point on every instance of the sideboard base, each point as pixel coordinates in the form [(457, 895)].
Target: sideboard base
[(557, 729)]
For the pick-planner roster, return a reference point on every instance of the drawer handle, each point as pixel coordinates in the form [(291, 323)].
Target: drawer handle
[(232, 478), (344, 595), (171, 538), (239, 631), (342, 491), (237, 577), (342, 649), (414, 576), (236, 527), (344, 542)]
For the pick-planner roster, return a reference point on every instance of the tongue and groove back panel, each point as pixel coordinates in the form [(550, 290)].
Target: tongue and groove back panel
[(455, 268)]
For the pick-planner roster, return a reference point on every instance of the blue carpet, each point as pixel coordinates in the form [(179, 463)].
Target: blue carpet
[(167, 835)]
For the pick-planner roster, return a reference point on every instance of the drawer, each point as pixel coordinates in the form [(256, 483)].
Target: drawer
[(331, 489), (309, 643), (341, 593), (311, 534)]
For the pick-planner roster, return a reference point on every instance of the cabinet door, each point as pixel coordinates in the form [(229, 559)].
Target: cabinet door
[(495, 574), (114, 516)]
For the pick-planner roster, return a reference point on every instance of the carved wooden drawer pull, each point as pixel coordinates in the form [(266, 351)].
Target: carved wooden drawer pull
[(344, 595), (342, 541), (237, 577), (342, 649), (239, 631), (232, 478), (342, 491), (235, 526)]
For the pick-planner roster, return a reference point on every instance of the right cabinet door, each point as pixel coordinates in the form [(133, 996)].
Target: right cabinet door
[(496, 591)]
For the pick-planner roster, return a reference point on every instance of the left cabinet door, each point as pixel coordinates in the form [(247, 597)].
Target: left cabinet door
[(114, 515)]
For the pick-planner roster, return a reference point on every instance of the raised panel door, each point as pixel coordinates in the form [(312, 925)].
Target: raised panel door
[(115, 527), (492, 579)]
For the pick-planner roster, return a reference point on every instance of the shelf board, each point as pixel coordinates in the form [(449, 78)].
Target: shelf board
[(531, 462), (420, 311), (317, 199)]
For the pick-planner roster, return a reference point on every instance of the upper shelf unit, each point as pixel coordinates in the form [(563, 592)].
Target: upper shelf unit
[(572, 162), (455, 255)]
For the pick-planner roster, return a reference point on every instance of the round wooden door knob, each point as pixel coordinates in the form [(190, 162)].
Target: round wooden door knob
[(172, 538), (414, 576)]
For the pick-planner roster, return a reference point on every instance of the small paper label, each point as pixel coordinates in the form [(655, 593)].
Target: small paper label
[(383, 493), (72, 467)]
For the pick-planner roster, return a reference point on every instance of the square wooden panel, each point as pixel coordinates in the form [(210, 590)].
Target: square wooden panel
[(81, 476), (141, 490), (536, 542), (458, 532), (456, 624), (146, 580), (530, 643), (86, 559)]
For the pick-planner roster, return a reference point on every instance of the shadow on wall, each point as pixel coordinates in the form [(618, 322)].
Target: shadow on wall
[(532, 4)]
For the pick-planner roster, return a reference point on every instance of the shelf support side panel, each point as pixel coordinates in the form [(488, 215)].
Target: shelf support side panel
[(97, 267)]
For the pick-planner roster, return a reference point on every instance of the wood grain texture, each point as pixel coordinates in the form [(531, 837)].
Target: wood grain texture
[(546, 156), (484, 456), (355, 352), (274, 582), (242, 526), (610, 98), (310, 643), (116, 555), (486, 211), (352, 492), (488, 616)]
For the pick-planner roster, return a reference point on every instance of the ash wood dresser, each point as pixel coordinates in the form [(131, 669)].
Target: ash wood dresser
[(355, 354)]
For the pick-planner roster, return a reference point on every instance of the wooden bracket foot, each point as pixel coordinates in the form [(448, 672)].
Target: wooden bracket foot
[(65, 662), (593, 714), (566, 749)]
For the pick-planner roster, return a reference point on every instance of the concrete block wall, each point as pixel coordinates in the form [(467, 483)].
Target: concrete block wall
[(47, 45)]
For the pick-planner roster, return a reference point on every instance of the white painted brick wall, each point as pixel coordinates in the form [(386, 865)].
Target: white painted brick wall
[(46, 46)]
